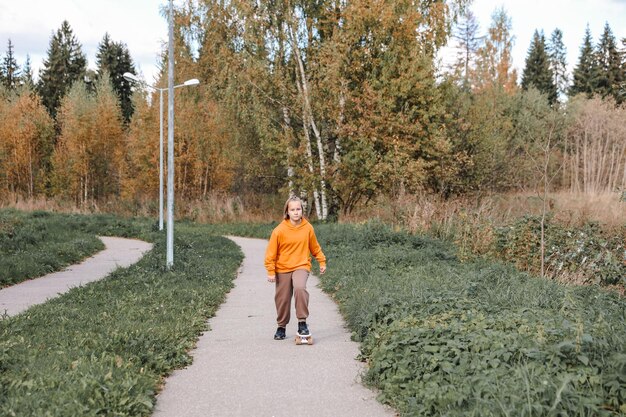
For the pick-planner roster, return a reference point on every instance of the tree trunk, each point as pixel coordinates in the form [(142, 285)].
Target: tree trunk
[(309, 119), (288, 134), (206, 181), (342, 118), (30, 173), (309, 155)]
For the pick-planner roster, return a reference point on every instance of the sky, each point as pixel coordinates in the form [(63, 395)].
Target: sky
[(139, 24), (570, 16), (30, 25)]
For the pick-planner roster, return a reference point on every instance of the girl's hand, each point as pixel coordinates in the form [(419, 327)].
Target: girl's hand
[(322, 270), (271, 278)]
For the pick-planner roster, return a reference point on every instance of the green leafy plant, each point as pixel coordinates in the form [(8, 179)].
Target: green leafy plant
[(37, 243), (449, 338), (104, 348)]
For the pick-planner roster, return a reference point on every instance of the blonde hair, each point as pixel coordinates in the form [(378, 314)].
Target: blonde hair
[(289, 200)]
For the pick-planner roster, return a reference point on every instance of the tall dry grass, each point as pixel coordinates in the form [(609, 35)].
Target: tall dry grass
[(431, 213), (416, 213), (215, 208)]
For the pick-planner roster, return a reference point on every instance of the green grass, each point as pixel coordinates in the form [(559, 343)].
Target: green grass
[(103, 349), (447, 338), (441, 337), (37, 243)]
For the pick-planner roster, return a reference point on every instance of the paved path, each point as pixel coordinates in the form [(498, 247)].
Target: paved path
[(118, 252), (239, 370)]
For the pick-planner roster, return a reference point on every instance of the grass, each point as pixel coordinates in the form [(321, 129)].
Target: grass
[(104, 348), (448, 338), (216, 207), (435, 215), (441, 337), (585, 233), (37, 243)]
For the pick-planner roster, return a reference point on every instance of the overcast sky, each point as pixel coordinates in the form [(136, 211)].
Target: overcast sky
[(571, 16), (138, 23), (30, 25)]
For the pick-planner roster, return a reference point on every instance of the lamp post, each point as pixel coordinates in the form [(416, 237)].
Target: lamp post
[(133, 78)]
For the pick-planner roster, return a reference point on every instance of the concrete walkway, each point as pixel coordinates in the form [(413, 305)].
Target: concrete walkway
[(118, 253), (239, 370)]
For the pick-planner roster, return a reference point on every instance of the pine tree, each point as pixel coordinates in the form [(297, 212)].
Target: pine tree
[(537, 72), (609, 66), (66, 63), (27, 75), (558, 63), (114, 58), (583, 79), (469, 42), (9, 68)]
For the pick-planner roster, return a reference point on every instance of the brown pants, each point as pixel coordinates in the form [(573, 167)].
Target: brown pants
[(290, 284)]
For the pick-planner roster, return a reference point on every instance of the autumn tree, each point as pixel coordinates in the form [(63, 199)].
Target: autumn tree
[(88, 158), (65, 64), (393, 112), (237, 80), (469, 42), (595, 152), (494, 67), (308, 88), (26, 141), (71, 158), (141, 162)]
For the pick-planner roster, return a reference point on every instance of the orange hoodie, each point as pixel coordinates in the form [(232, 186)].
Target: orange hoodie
[(290, 248)]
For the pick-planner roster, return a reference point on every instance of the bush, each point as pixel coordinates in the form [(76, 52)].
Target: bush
[(584, 255)]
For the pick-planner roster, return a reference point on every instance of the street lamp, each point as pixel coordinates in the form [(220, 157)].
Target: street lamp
[(134, 79)]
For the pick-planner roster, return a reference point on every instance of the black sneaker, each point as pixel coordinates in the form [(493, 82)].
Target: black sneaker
[(280, 334), (303, 329)]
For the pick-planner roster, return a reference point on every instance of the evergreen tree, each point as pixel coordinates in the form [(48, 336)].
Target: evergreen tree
[(609, 66), (9, 68), (583, 79), (558, 63), (114, 58), (27, 75), (469, 42), (66, 63), (537, 72)]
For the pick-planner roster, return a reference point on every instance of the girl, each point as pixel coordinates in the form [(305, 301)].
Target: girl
[(288, 264)]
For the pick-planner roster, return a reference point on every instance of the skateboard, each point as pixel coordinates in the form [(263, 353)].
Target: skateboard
[(304, 340)]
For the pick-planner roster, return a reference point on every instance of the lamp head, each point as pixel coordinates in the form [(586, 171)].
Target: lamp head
[(129, 76), (193, 81)]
